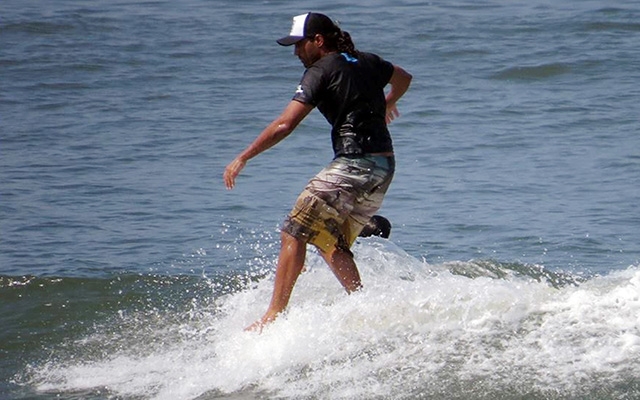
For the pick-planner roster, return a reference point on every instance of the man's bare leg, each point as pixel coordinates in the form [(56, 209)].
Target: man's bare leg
[(344, 268), (290, 264)]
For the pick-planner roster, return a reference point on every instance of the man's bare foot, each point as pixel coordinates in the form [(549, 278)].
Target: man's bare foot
[(260, 324), (255, 327)]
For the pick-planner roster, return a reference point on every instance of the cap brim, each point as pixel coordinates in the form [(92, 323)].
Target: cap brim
[(289, 40)]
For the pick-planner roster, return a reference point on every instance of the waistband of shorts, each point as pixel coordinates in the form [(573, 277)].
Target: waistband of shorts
[(384, 161), (387, 155)]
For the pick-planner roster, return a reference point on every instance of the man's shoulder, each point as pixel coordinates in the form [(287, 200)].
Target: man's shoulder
[(339, 61), (327, 61)]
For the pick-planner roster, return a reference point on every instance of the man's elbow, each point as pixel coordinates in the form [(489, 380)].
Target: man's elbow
[(282, 129), (401, 77), (406, 77)]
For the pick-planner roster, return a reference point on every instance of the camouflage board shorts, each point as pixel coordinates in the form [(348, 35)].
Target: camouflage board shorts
[(337, 203)]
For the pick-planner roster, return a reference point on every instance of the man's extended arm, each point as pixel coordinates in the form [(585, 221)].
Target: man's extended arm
[(277, 130)]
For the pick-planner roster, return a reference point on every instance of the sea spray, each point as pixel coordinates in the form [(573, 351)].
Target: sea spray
[(415, 330)]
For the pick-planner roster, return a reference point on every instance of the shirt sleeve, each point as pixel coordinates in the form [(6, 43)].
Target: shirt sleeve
[(310, 88), (384, 68)]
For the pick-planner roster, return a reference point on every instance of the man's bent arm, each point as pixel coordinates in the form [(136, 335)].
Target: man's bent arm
[(400, 81)]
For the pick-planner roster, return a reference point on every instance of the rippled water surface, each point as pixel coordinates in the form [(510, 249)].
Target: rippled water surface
[(128, 271)]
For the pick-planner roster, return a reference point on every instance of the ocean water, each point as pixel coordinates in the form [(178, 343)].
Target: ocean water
[(128, 271)]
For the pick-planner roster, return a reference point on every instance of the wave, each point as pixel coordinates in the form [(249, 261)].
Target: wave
[(477, 329), (36, 27), (534, 72), (612, 26)]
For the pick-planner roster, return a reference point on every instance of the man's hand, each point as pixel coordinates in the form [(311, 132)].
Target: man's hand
[(232, 171), (392, 113)]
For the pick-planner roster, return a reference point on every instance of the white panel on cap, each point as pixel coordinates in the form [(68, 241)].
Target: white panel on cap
[(297, 29)]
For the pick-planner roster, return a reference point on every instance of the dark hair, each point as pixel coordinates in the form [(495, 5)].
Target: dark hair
[(345, 44), (341, 41), (335, 38)]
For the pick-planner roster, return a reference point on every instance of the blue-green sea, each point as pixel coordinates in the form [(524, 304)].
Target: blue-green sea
[(128, 271)]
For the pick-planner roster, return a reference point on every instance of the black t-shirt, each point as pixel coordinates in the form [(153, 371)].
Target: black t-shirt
[(349, 93)]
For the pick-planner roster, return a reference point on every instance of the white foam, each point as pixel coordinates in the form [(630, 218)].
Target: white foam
[(415, 328)]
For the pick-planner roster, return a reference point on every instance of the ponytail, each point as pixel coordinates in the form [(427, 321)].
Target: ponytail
[(345, 44), (341, 41)]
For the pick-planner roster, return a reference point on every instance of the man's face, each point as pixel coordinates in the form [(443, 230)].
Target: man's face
[(308, 51)]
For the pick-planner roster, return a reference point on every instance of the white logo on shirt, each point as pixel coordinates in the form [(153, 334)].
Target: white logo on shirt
[(299, 89)]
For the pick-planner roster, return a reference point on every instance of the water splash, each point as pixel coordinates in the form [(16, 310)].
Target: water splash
[(466, 329)]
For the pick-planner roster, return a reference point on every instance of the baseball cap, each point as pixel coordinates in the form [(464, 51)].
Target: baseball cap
[(307, 26)]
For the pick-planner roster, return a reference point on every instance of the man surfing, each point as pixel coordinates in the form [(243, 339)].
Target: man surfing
[(348, 88)]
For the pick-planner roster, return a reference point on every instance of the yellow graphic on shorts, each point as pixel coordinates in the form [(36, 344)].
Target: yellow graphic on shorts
[(322, 224)]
